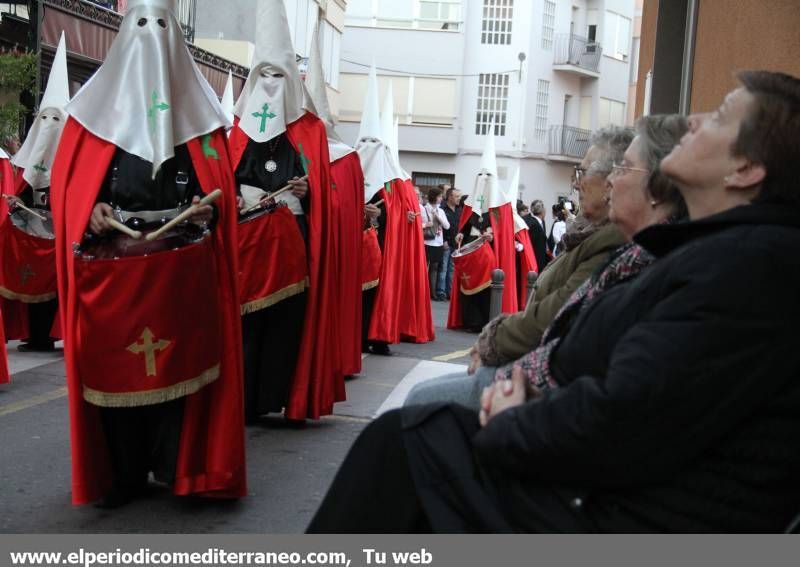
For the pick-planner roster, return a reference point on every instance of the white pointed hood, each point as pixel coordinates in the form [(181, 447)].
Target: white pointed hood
[(39, 150), (272, 97), (227, 98), (395, 148), (512, 193), (375, 155), (487, 193), (148, 96), (317, 95), (388, 134)]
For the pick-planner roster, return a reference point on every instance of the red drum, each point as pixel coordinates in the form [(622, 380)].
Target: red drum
[(272, 259), (28, 257), (474, 263), (148, 317)]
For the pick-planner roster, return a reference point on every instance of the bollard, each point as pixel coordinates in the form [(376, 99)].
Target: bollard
[(496, 299), (532, 277)]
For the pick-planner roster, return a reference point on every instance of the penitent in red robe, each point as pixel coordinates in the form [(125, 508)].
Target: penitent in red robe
[(527, 263), (348, 201), (318, 380), (402, 308), (211, 456)]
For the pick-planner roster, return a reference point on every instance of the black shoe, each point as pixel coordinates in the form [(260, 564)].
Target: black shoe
[(119, 497), (381, 349), (34, 347), (441, 297)]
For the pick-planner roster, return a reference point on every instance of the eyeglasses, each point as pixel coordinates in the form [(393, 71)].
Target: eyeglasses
[(617, 169)]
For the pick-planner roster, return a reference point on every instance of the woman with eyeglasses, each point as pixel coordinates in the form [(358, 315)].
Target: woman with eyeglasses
[(588, 246)]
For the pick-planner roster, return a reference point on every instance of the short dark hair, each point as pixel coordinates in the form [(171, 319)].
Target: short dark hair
[(770, 132), (433, 194), (449, 193), (537, 207)]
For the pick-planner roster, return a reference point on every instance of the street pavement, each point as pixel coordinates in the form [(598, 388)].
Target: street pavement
[(289, 467)]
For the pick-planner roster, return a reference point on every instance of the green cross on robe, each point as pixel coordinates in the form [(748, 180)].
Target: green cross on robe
[(208, 150), (40, 167), (151, 111), (264, 115), (304, 159), (387, 187), (481, 200)]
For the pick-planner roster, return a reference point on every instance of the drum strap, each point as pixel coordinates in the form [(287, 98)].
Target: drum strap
[(149, 216)]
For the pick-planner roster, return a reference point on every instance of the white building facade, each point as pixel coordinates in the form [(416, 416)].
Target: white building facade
[(543, 73)]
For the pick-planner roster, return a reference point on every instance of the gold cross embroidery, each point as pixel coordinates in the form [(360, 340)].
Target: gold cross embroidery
[(26, 273), (148, 347)]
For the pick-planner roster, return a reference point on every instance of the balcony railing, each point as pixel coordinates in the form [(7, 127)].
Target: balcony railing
[(574, 50), (568, 141)]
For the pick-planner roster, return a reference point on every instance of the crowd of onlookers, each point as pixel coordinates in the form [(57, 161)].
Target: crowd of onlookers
[(441, 208)]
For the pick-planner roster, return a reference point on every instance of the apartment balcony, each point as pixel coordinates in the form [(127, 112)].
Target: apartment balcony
[(567, 143), (577, 55)]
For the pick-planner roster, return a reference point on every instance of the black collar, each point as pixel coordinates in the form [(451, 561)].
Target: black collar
[(660, 240)]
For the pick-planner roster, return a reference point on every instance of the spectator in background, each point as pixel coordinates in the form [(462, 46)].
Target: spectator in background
[(558, 229), (434, 221), (420, 195), (538, 231), (452, 210)]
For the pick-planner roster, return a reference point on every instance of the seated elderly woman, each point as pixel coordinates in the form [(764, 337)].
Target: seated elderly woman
[(679, 405), (589, 243)]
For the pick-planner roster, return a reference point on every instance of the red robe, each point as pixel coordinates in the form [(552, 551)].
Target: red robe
[(211, 456), (527, 263), (348, 201), (6, 187), (318, 380), (402, 308)]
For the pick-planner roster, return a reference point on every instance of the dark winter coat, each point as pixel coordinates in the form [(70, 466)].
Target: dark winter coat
[(679, 408)]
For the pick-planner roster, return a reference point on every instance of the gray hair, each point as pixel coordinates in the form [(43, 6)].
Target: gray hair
[(537, 207), (658, 134), (611, 141)]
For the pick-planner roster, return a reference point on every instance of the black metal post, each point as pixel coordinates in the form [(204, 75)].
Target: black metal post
[(496, 297)]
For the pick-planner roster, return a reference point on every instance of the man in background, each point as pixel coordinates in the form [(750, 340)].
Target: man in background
[(452, 210), (538, 231)]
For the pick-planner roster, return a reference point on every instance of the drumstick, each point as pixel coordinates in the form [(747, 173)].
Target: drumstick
[(123, 228), (280, 191), (207, 200), (18, 203), (379, 203)]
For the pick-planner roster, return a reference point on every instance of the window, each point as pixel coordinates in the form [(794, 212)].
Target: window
[(427, 101), (443, 15), (415, 14), (330, 45), (617, 36), (427, 181), (610, 112), (548, 24), (492, 104), (434, 101), (635, 61), (395, 13), (302, 16), (542, 103), (496, 24)]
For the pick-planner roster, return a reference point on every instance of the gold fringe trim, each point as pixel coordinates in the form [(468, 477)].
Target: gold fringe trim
[(277, 297), (150, 397), (370, 285), (476, 290), (8, 294)]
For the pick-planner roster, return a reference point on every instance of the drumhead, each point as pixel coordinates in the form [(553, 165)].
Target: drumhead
[(33, 225), (469, 248)]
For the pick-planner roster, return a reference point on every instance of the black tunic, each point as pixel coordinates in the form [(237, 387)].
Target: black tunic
[(146, 439), (271, 337)]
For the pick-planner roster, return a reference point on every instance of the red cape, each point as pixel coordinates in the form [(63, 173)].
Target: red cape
[(402, 308), (478, 270), (318, 381), (348, 202), (527, 263), (502, 220), (211, 459)]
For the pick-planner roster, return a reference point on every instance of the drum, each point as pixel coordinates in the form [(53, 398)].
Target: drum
[(116, 245), (32, 225), (153, 312), (474, 263), (272, 258)]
